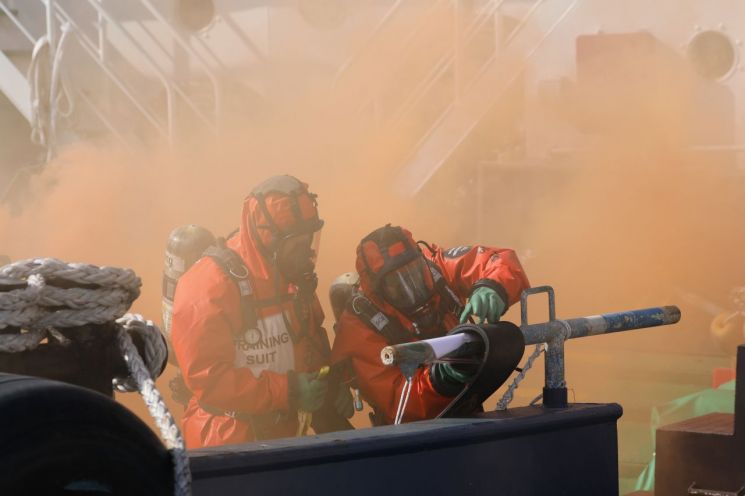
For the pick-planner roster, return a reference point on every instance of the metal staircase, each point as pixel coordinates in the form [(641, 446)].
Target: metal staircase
[(15, 86), (102, 61), (429, 72), (468, 69), (473, 97)]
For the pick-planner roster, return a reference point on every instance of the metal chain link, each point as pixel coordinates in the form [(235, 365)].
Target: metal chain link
[(507, 397)]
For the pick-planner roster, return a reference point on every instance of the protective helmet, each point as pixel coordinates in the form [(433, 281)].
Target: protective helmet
[(281, 207), (393, 267)]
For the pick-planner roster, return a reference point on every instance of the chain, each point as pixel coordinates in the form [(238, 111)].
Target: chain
[(506, 399)]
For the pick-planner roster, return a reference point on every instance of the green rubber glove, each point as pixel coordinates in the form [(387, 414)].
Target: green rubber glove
[(447, 372), (311, 391), (344, 403), (448, 380), (485, 304)]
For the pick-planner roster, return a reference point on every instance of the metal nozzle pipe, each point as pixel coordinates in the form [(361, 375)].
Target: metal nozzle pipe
[(428, 350), (600, 324), (411, 355)]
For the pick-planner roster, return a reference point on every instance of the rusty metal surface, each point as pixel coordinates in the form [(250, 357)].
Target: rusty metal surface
[(713, 423)]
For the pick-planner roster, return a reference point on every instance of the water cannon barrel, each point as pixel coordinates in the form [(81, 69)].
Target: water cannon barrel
[(429, 350), (424, 351), (554, 333), (600, 324)]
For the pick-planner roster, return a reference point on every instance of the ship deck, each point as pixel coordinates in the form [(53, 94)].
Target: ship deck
[(527, 450)]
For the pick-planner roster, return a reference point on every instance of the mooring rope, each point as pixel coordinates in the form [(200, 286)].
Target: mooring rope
[(39, 296), (53, 296), (142, 375)]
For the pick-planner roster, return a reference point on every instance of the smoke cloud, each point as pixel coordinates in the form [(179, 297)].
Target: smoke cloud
[(629, 217)]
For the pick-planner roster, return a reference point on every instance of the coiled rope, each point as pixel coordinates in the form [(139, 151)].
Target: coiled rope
[(39, 296)]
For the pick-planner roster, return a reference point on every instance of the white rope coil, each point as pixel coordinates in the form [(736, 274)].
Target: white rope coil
[(75, 298), (156, 350), (74, 272), (43, 297), (52, 296)]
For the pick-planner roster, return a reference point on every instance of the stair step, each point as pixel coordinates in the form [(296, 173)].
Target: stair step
[(15, 86), (463, 116)]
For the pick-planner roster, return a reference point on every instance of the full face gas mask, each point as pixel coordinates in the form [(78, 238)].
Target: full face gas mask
[(285, 225), (400, 275), (409, 289), (296, 259)]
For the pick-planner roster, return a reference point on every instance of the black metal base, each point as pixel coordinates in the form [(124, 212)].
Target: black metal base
[(522, 451), (555, 397)]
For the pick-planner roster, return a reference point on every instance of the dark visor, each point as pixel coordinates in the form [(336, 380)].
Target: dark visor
[(406, 287)]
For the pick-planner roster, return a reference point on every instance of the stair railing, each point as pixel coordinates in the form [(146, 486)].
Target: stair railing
[(213, 123), (451, 59), (33, 41), (14, 19), (92, 49), (487, 89), (384, 21), (95, 50), (197, 57), (169, 84), (377, 32)]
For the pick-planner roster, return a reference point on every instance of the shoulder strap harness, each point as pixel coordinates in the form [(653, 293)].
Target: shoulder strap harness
[(232, 265), (369, 313), (448, 298)]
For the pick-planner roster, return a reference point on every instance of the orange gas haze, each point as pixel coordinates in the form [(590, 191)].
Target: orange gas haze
[(623, 215)]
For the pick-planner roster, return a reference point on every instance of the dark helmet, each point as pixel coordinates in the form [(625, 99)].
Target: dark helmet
[(392, 266)]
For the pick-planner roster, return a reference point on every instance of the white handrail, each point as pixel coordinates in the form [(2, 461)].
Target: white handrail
[(448, 59), (168, 133), (85, 43), (370, 40), (90, 48), (411, 35), (167, 82), (230, 23), (423, 161), (197, 57), (104, 120), (9, 13)]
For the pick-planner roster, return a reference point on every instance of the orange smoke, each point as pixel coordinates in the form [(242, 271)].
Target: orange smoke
[(627, 218)]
